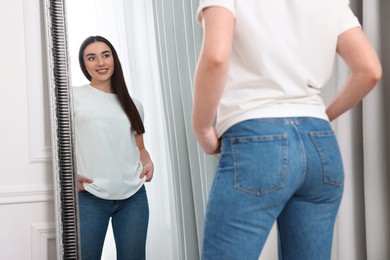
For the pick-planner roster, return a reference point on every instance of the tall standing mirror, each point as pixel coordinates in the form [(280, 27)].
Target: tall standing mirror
[(129, 26)]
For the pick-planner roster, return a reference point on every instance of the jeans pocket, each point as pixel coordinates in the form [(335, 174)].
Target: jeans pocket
[(260, 163), (328, 150)]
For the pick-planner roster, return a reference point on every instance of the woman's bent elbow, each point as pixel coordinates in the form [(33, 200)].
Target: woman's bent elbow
[(376, 70), (377, 73), (372, 74)]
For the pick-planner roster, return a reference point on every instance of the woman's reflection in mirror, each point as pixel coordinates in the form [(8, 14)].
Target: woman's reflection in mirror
[(112, 161)]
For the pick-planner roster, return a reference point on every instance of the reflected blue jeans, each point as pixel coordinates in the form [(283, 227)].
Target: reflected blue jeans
[(287, 170), (129, 223)]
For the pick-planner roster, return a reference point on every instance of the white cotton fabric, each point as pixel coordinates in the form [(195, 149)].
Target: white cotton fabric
[(106, 149), (283, 54)]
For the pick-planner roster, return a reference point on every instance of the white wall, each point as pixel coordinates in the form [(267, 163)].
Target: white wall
[(27, 228)]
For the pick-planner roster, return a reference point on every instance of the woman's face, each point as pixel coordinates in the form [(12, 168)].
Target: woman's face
[(99, 62)]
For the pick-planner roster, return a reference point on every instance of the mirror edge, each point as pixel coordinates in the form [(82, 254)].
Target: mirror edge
[(65, 195)]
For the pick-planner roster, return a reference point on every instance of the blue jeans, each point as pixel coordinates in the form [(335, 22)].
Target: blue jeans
[(284, 169), (129, 223)]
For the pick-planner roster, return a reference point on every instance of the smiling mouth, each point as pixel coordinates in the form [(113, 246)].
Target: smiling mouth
[(102, 71)]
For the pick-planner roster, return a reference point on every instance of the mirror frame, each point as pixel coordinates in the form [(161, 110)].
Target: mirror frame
[(65, 195)]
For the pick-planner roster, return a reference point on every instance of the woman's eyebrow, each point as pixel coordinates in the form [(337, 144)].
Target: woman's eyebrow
[(93, 54)]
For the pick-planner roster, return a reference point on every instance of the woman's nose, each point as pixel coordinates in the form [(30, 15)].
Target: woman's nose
[(100, 62)]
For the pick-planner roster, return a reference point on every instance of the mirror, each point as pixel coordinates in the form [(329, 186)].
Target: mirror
[(62, 133), (69, 23)]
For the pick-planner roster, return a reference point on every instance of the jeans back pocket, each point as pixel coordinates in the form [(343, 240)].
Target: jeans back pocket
[(328, 150), (260, 163)]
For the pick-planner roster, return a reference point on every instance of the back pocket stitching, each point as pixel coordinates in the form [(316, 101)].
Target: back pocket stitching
[(284, 161), (325, 164)]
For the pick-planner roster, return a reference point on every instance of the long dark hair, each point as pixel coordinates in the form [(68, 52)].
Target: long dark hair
[(118, 83)]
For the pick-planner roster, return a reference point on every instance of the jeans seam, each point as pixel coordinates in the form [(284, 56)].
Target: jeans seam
[(303, 151)]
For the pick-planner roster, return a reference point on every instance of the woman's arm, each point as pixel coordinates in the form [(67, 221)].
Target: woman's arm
[(355, 49), (210, 75), (146, 161)]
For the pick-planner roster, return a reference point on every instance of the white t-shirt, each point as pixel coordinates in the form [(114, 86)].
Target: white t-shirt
[(106, 149), (283, 54)]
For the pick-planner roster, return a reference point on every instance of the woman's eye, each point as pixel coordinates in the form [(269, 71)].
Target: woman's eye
[(91, 58), (106, 56)]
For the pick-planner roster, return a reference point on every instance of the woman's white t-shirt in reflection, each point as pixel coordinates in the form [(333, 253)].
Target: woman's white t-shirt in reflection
[(106, 150)]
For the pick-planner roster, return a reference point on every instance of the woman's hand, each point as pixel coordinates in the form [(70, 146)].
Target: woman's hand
[(208, 140), (81, 180), (147, 172), (146, 161)]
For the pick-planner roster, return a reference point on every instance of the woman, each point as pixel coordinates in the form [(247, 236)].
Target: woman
[(262, 66), (112, 161)]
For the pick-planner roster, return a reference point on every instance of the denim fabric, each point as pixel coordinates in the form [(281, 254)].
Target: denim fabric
[(284, 169), (129, 222)]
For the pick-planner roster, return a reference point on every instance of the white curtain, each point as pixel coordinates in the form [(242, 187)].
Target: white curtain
[(162, 240), (129, 26)]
